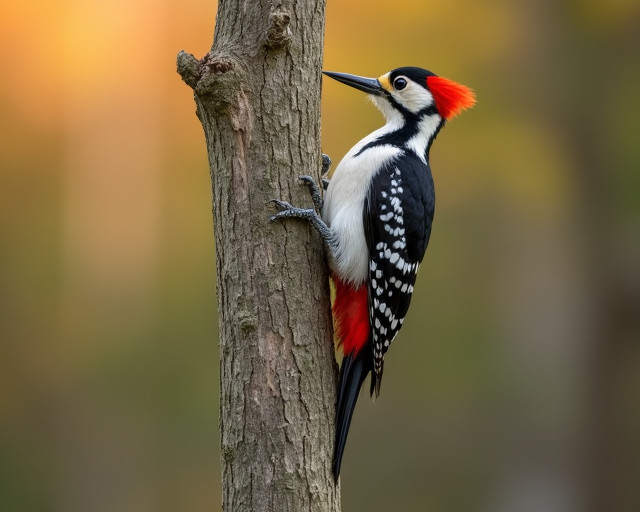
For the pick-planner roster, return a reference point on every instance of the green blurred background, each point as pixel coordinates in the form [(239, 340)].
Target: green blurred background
[(515, 384)]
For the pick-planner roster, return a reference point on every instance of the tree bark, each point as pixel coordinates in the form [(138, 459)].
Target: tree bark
[(258, 97)]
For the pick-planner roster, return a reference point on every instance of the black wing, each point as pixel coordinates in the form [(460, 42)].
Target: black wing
[(397, 218)]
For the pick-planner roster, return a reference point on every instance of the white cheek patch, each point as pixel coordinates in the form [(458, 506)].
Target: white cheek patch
[(413, 97)]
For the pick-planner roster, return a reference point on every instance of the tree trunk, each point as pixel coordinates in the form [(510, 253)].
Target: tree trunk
[(258, 97)]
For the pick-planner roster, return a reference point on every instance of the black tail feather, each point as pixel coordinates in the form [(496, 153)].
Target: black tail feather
[(353, 372)]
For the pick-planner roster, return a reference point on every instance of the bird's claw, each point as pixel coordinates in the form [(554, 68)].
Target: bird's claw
[(288, 210), (307, 180), (314, 191), (283, 206), (326, 163)]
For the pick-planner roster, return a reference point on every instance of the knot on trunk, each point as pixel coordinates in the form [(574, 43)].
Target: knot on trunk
[(217, 65), (279, 33), (216, 76), (188, 68)]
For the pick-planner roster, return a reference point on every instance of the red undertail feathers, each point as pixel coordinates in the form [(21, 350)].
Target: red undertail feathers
[(351, 316)]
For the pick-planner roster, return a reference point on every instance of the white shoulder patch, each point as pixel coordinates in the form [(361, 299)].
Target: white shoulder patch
[(344, 204)]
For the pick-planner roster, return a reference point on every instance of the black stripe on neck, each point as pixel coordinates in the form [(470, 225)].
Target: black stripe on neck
[(407, 131)]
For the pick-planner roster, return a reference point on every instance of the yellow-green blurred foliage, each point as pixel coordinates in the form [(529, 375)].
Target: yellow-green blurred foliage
[(515, 384)]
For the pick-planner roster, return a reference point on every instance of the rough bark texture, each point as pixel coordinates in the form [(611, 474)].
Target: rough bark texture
[(258, 97)]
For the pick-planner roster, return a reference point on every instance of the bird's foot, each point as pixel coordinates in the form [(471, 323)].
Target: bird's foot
[(314, 191), (287, 210)]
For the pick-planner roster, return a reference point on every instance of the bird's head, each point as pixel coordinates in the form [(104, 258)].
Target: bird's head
[(411, 92)]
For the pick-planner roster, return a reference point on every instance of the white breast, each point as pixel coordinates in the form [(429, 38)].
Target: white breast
[(344, 203)]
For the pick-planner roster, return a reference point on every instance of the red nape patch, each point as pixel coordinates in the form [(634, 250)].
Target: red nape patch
[(451, 98), (351, 316)]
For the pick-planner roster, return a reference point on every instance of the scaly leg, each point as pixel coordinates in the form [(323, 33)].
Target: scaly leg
[(316, 197), (314, 190), (309, 214)]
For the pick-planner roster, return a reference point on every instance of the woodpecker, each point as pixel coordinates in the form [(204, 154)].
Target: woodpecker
[(375, 221)]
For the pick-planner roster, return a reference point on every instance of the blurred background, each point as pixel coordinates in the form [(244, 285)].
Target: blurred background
[(515, 384)]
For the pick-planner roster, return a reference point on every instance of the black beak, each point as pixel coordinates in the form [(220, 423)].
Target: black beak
[(368, 85)]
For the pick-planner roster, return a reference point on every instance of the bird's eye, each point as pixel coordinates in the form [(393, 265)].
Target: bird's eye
[(399, 83)]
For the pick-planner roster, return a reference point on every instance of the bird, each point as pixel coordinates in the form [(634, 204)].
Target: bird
[(375, 221)]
